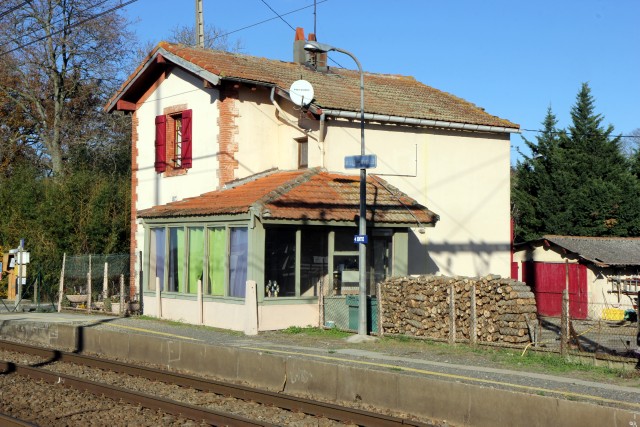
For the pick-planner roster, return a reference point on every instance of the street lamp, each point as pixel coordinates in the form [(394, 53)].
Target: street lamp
[(313, 46)]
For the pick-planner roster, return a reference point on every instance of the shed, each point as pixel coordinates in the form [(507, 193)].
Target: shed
[(602, 274)]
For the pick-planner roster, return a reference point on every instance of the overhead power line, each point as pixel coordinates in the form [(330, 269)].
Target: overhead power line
[(279, 16)]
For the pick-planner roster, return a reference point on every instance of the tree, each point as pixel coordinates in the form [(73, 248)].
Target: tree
[(534, 198), (214, 38), (61, 62), (576, 182)]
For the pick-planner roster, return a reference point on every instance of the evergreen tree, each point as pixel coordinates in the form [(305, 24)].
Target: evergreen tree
[(576, 182), (534, 198), (604, 199)]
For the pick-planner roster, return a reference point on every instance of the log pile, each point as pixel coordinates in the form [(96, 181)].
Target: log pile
[(505, 309)]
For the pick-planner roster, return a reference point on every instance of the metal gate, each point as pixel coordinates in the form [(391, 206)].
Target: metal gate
[(548, 280)]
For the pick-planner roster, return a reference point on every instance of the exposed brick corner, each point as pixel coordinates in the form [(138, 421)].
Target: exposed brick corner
[(228, 145)]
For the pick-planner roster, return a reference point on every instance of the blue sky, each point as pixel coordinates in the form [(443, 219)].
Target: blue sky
[(512, 58)]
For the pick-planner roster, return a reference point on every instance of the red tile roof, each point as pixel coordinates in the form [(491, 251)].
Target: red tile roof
[(385, 94), (314, 195)]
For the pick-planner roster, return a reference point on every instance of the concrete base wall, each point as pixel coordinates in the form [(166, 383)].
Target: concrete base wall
[(460, 404)]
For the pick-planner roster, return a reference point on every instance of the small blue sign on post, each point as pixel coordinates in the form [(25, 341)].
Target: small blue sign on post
[(369, 161), (361, 238)]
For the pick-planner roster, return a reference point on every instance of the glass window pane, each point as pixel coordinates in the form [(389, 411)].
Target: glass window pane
[(196, 258), (176, 259), (280, 261), (314, 264), (238, 261), (217, 254), (344, 240), (156, 258), (346, 276)]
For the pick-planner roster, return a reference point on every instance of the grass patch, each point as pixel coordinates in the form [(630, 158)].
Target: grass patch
[(315, 332)]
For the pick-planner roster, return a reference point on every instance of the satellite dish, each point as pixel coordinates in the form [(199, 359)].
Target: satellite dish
[(301, 92)]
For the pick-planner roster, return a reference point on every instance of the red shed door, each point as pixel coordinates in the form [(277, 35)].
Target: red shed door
[(548, 282)]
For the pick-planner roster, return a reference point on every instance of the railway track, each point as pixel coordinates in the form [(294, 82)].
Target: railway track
[(194, 412)]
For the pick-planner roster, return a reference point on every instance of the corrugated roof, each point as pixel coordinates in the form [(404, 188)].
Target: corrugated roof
[(601, 250), (314, 195), (385, 94)]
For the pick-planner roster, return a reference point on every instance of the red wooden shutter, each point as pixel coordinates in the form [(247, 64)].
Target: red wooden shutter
[(186, 139), (161, 144)]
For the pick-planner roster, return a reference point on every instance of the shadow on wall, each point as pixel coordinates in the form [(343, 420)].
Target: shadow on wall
[(421, 261)]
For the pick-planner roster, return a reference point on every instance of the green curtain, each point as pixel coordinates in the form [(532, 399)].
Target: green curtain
[(196, 258), (217, 254)]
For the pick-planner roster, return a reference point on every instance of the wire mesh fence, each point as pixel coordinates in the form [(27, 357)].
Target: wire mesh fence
[(605, 331), (101, 279)]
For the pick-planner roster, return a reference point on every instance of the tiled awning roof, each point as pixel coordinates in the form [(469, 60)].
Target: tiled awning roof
[(310, 195), (385, 94)]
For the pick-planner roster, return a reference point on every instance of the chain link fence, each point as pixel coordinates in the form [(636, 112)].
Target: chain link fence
[(101, 279), (606, 330)]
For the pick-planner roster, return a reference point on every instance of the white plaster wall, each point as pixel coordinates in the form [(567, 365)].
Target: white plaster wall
[(178, 88), (461, 176), (264, 139), (228, 315), (281, 316)]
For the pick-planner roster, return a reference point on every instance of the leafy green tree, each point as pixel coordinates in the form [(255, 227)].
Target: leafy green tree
[(576, 182)]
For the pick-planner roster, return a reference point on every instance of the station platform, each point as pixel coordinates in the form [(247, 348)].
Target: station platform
[(408, 377)]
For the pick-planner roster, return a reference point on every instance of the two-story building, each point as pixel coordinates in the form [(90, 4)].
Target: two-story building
[(232, 181)]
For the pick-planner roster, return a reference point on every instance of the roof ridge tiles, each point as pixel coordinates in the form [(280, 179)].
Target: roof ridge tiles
[(288, 186)]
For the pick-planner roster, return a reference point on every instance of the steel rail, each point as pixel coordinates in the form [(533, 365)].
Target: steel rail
[(136, 398), (7, 421), (292, 403)]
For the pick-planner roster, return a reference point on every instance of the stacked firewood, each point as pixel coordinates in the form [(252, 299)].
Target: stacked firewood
[(505, 309)]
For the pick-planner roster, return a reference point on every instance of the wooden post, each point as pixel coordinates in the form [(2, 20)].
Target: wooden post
[(122, 310), (473, 321), (638, 313), (105, 281), (452, 315), (89, 288), (158, 300), (61, 291), (380, 311), (564, 327), (200, 306), (36, 297)]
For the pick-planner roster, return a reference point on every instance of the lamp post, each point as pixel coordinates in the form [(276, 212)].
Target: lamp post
[(313, 46)]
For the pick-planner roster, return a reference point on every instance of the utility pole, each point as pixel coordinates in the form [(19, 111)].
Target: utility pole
[(199, 25)]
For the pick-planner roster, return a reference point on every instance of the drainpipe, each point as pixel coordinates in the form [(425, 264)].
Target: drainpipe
[(321, 138), (280, 112)]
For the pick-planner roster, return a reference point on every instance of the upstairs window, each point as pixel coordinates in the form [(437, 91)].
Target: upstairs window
[(173, 142), (303, 152)]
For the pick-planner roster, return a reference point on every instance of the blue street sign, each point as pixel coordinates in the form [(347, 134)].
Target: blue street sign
[(361, 162), (361, 238)]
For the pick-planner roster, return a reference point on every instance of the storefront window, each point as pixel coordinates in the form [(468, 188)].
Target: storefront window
[(156, 258), (196, 258), (238, 247), (313, 261), (280, 262), (217, 255), (176, 259)]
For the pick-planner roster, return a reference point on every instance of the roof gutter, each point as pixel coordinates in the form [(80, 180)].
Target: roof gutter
[(418, 122)]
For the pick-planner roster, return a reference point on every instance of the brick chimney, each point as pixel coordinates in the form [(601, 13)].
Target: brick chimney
[(301, 56)]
